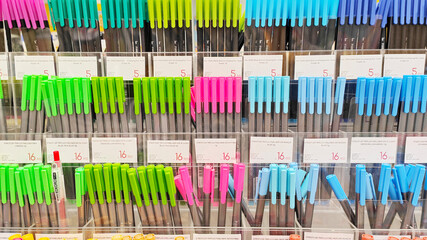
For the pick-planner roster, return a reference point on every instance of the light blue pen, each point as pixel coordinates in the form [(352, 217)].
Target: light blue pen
[(291, 182), (360, 104), (388, 85), (370, 193), (383, 186), (378, 103), (313, 178), (311, 90), (419, 96), (396, 196), (260, 102), (338, 103), (285, 101), (423, 224), (299, 178), (252, 102), (415, 101), (273, 188), (423, 106), (370, 93), (282, 191), (302, 99), (396, 91), (277, 98), (414, 194), (342, 197), (318, 103), (262, 188), (360, 195), (406, 103), (268, 86), (326, 104)]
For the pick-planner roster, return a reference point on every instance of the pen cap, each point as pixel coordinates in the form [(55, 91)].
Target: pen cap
[(19, 185), (144, 184), (187, 93), (135, 186), (46, 183), (358, 176), (79, 177), (38, 182), (223, 185), (207, 175), (311, 89), (252, 93), (12, 182), (282, 183), (260, 93), (313, 178), (117, 179), (4, 181), (268, 81), (188, 186), (238, 93), (198, 87), (362, 186), (277, 91), (265, 178), (239, 180), (383, 176), (170, 184), (273, 182), (401, 176), (336, 187), (28, 178), (99, 182), (206, 94), (396, 186), (161, 183), (137, 95)]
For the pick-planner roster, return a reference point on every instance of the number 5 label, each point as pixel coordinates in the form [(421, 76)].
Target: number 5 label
[(262, 65), (77, 66), (168, 151), (71, 150), (373, 149)]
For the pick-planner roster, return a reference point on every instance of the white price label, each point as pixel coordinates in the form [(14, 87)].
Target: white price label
[(385, 237), (111, 150), (66, 236), (354, 66), (262, 65), (269, 237), (5, 236), (126, 67), (314, 66), (271, 149), (4, 74), (34, 65), (173, 66), (171, 237), (328, 236), (415, 149), (215, 150), (109, 236), (168, 151), (78, 66), (21, 151), (222, 66), (325, 150), (71, 150), (397, 65), (373, 149), (217, 236)]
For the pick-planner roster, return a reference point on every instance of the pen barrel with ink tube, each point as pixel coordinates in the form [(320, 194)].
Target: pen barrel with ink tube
[(154, 189), (414, 194), (383, 187), (313, 177), (223, 192), (273, 193), (130, 221), (145, 189), (262, 188), (342, 198), (183, 182), (360, 195), (238, 184), (161, 182), (208, 179)]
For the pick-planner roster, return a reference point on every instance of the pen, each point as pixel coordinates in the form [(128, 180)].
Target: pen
[(283, 178), (185, 177), (80, 199), (171, 188), (118, 194), (27, 176), (152, 183), (130, 221), (208, 178), (16, 221), (423, 223), (109, 195), (161, 183), (313, 177), (239, 177), (97, 105), (338, 103), (145, 189), (100, 189), (22, 195), (91, 186), (44, 217), (291, 192), (360, 195), (414, 193), (137, 195), (383, 186), (48, 189), (223, 190), (59, 187), (262, 187), (342, 197), (273, 192)]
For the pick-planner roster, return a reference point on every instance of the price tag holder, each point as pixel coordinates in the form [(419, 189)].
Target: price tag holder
[(111, 150), (397, 65), (71, 150), (385, 237), (34, 65), (173, 66), (325, 150), (222, 66), (109, 236), (328, 236), (415, 149), (172, 237), (354, 66), (168, 151), (373, 149), (314, 66), (66, 236), (215, 150), (271, 149), (4, 74), (217, 237), (21, 151), (262, 65), (269, 237), (126, 67), (6, 235), (78, 66)]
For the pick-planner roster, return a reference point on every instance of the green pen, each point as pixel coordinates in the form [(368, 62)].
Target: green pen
[(109, 189), (188, 15), (105, 104), (100, 190), (62, 99), (170, 99), (154, 95), (136, 190), (5, 195), (25, 102), (121, 103), (78, 98), (32, 107), (161, 184), (44, 217), (49, 193), (159, 26), (186, 84), (53, 96), (221, 23), (97, 104), (46, 103), (112, 96), (162, 100), (178, 104), (79, 177), (3, 125), (28, 174), (91, 189), (117, 179), (200, 32), (145, 189), (22, 196), (40, 122), (16, 211), (171, 188), (154, 189), (137, 95), (87, 104), (126, 196), (146, 100), (153, 22)]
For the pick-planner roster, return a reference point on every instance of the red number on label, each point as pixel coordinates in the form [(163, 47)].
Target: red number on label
[(383, 155), (226, 156), (178, 156), (370, 72), (31, 157), (183, 73), (325, 73), (123, 154), (273, 72), (88, 73), (46, 72), (233, 73), (414, 71), (136, 73), (78, 156), (335, 156), (280, 156)]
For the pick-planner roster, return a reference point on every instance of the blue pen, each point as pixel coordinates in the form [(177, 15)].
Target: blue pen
[(378, 103), (360, 195), (260, 102), (299, 178), (326, 103), (423, 104), (370, 93), (273, 187), (370, 207), (282, 188), (302, 99), (338, 103), (268, 85), (360, 104), (318, 103), (277, 98), (414, 194), (383, 186), (291, 192), (262, 188), (413, 103), (311, 90), (407, 92), (396, 92), (252, 83), (313, 178), (342, 197), (423, 224), (396, 196), (417, 104)]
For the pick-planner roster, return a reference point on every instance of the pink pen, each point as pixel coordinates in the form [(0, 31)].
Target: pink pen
[(188, 187), (206, 100), (28, 11), (14, 11), (193, 104), (39, 12), (239, 178), (223, 190), (23, 14), (222, 106), (214, 104), (238, 102), (229, 97), (198, 90), (207, 191), (180, 186)]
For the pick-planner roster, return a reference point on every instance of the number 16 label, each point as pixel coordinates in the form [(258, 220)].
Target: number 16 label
[(168, 151), (373, 149), (215, 150), (111, 150), (71, 150), (325, 150)]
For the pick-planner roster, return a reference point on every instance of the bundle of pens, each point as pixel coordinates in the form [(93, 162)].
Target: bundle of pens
[(165, 103), (408, 24), (67, 104), (315, 103), (413, 104), (33, 115), (170, 25), (124, 25), (358, 26), (218, 25), (403, 188), (28, 190), (27, 17), (292, 184), (218, 104), (109, 189), (109, 104), (265, 94), (77, 25), (376, 104)]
